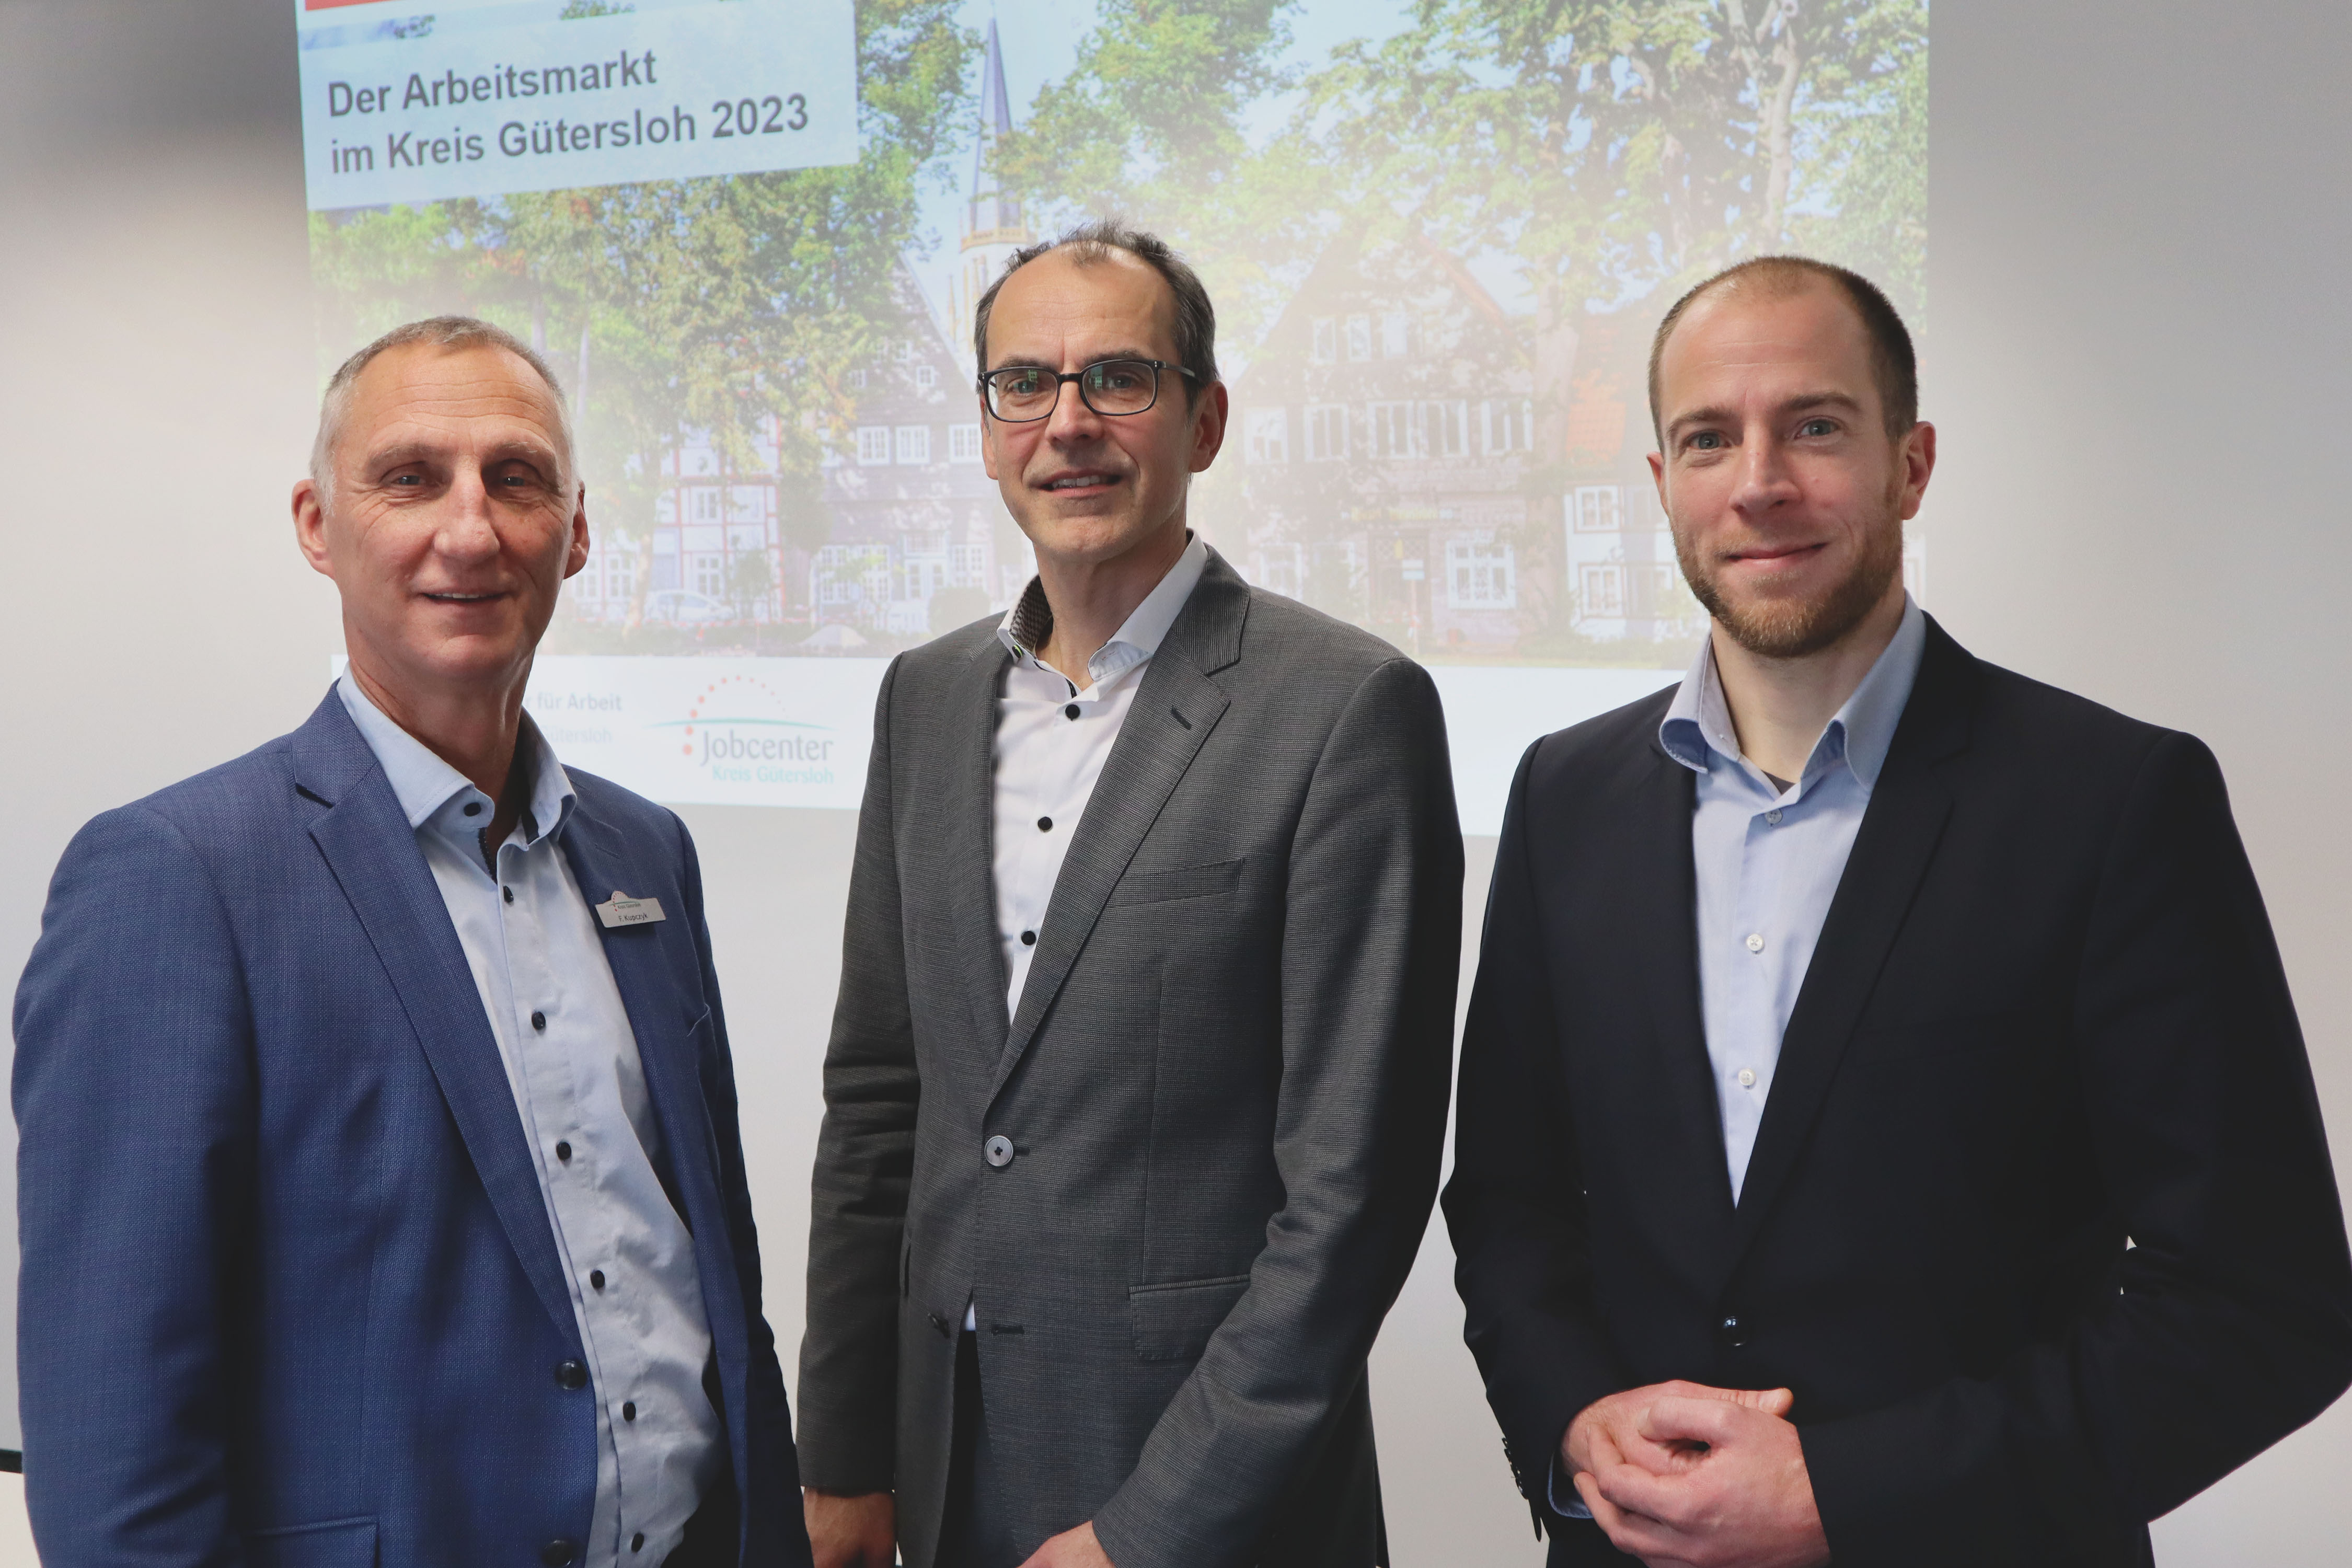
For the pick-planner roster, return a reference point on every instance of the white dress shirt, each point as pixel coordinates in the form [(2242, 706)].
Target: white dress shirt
[(1052, 740), (579, 1087)]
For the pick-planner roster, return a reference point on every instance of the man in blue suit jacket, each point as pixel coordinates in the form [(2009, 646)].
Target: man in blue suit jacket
[(382, 1197)]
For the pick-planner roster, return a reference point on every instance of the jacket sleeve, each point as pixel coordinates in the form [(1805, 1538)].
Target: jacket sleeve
[(1372, 944), (865, 1162), (2228, 1322), (778, 1532), (135, 1114), (1515, 1205)]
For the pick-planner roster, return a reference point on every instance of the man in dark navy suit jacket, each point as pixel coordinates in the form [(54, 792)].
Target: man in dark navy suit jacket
[(1885, 1134), (379, 1187)]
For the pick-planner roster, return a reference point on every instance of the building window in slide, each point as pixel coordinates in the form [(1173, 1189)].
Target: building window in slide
[(1600, 592), (1327, 432), (964, 443), (1267, 433), (1446, 427), (1394, 435), (1510, 426), (873, 444), (1480, 574), (914, 444)]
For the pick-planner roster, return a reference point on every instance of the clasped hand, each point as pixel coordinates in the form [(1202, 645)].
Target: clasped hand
[(1684, 1475)]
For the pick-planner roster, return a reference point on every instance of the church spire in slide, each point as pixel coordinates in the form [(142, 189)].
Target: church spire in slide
[(993, 225)]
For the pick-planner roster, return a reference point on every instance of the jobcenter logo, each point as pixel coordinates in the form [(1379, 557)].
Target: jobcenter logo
[(736, 728)]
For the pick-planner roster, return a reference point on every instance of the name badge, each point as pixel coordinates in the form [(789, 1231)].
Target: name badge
[(624, 910)]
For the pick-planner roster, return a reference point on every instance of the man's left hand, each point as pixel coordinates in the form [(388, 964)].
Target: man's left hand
[(1072, 1548), (1749, 1504)]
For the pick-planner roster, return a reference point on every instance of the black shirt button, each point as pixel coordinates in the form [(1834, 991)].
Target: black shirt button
[(473, 808), (509, 893), (564, 1153), (629, 1410), (1736, 1333), (1028, 939), (559, 1552), (596, 1278), (538, 1020), (637, 1541), (571, 1375), (1069, 713), (1044, 824)]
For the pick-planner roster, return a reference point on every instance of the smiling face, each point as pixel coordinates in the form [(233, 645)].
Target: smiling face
[(454, 521), (1786, 494), (1088, 488)]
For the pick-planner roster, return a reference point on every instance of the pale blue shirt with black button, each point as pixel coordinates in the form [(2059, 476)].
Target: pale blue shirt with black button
[(571, 1057), (1768, 859)]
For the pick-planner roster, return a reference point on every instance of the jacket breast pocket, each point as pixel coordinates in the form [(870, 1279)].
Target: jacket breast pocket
[(335, 1543), (1179, 882), (1173, 1322)]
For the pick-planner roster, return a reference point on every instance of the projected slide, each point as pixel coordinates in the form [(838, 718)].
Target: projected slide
[(749, 234)]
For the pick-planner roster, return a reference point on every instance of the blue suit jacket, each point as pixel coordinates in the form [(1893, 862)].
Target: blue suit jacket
[(288, 1291)]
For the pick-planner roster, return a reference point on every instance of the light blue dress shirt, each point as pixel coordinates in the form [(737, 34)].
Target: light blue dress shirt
[(1769, 861), (579, 1087)]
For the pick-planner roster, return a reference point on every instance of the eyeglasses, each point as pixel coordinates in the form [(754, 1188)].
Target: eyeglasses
[(1116, 387)]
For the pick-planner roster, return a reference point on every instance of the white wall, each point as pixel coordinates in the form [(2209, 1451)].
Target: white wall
[(2137, 352)]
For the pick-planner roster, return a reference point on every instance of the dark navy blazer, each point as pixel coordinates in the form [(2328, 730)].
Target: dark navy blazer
[(288, 1291)]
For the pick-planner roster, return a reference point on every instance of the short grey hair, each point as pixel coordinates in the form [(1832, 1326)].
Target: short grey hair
[(1196, 319), (449, 332)]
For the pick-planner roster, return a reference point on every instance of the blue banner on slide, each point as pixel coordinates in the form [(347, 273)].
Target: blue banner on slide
[(490, 99)]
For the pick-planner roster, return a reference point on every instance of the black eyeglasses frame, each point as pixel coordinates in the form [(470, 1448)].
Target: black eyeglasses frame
[(1063, 378)]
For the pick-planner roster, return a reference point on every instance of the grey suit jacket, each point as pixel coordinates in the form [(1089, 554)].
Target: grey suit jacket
[(1226, 1087)]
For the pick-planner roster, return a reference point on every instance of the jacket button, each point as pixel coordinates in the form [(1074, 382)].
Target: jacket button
[(997, 1150), (559, 1552), (571, 1375), (1735, 1331)]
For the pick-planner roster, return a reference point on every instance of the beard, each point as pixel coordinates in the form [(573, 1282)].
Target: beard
[(1794, 628)]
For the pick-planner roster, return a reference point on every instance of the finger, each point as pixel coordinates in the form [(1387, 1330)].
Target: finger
[(1709, 1421), (1773, 1401), (1613, 1521), (1661, 1499), (1630, 1532), (1660, 1458)]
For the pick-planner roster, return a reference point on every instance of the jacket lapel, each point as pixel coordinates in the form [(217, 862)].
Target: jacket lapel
[(373, 852), (1175, 708), (967, 723), (1692, 1181), (1891, 852)]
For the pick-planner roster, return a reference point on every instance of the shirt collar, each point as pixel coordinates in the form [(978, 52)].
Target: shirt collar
[(1698, 721), (427, 787), (1029, 623)]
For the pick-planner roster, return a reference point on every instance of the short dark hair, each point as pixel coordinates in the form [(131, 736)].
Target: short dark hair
[(1196, 319), (1892, 365)]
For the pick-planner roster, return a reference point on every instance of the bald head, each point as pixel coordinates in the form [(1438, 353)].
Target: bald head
[(1895, 369)]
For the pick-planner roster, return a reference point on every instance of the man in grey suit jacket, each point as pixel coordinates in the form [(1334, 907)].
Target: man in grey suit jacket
[(1138, 1077)]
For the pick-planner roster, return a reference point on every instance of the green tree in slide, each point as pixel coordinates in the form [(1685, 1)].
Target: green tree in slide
[(708, 305)]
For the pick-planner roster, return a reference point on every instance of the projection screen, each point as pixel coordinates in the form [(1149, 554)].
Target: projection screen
[(749, 235)]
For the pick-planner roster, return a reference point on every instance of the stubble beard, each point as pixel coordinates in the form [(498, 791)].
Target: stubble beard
[(1795, 628)]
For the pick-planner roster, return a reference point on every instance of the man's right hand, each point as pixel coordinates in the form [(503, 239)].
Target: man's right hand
[(851, 1531), (1608, 1431)]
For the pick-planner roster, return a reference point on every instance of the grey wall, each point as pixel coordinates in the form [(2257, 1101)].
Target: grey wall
[(2136, 353)]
